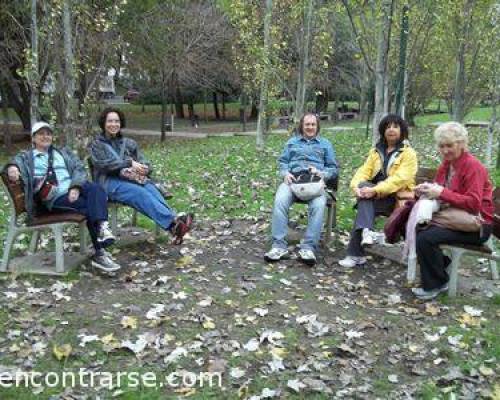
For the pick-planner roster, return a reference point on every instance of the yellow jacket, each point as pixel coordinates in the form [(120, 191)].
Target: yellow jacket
[(401, 172)]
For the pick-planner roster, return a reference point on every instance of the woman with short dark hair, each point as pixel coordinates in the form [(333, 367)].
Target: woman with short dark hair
[(124, 173), (389, 170)]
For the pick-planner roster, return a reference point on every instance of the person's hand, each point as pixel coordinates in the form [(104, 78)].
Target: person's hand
[(367, 192), (430, 190), (289, 178), (73, 195), (141, 169), (13, 174)]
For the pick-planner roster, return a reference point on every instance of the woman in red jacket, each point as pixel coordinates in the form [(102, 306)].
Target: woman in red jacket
[(461, 182)]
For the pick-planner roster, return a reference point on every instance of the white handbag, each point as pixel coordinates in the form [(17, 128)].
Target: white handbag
[(308, 190)]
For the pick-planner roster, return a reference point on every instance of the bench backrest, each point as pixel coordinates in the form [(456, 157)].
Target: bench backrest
[(15, 193)]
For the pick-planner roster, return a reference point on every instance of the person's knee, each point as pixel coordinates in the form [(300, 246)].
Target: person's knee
[(424, 240), (282, 198), (318, 203)]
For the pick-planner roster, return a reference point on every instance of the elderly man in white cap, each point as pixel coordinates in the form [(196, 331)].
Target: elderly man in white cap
[(56, 179)]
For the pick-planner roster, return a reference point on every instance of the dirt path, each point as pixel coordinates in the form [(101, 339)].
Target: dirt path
[(283, 330)]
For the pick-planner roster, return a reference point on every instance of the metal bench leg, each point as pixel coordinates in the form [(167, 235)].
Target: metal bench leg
[(329, 223), (113, 217), (456, 255), (35, 239), (9, 242), (134, 217), (493, 263), (58, 238), (83, 237), (411, 274), (494, 270)]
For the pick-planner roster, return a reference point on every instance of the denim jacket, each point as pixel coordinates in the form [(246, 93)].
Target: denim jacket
[(300, 153)]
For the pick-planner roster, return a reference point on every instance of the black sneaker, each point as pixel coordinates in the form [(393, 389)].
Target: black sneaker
[(181, 226), (105, 263)]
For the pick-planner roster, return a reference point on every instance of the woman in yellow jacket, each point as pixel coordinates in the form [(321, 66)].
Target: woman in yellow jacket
[(388, 172)]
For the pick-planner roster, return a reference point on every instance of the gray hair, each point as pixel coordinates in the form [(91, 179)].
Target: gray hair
[(451, 132)]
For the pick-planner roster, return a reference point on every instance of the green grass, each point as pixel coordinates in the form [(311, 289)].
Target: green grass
[(227, 177)]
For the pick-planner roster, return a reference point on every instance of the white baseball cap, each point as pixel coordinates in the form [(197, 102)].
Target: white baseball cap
[(40, 125)]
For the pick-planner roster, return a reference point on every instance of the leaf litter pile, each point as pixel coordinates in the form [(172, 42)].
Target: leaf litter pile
[(278, 331)]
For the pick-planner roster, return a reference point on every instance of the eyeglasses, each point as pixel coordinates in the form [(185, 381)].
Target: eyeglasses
[(44, 132)]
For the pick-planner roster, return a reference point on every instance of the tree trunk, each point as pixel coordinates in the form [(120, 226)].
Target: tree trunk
[(205, 115), (402, 62), (254, 111), (381, 67), (179, 105), (191, 108), (305, 40), (163, 107), (243, 119), (216, 106), (18, 96), (34, 77), (7, 138), (493, 121), (322, 101), (459, 87), (261, 121), (68, 77), (224, 106)]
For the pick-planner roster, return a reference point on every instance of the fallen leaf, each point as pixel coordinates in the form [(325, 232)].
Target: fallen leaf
[(486, 371), (237, 373), (62, 351), (432, 309), (295, 385), (251, 345), (184, 261), (129, 322), (473, 312)]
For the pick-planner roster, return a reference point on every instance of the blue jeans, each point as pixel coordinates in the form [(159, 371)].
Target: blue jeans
[(92, 203), (282, 203), (146, 199)]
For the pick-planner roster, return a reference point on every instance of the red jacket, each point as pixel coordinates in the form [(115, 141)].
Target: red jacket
[(470, 188)]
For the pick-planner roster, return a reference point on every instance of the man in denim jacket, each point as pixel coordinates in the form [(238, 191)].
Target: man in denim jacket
[(306, 152)]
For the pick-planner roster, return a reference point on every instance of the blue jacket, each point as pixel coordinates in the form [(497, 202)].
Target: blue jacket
[(301, 153)]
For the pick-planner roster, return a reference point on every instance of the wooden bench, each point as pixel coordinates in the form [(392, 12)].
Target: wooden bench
[(456, 252), (54, 221)]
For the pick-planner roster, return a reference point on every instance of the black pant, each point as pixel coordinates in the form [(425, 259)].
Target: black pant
[(93, 203), (430, 257), (368, 209)]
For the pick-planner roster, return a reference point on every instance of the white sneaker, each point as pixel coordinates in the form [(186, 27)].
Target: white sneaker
[(307, 256), (368, 237), (422, 294), (276, 254), (106, 237), (352, 261)]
